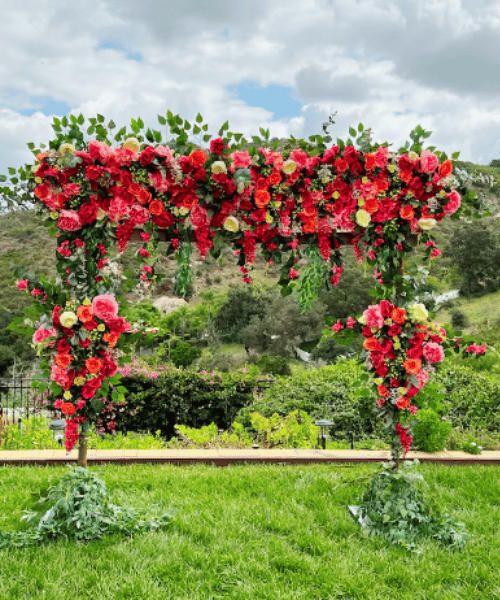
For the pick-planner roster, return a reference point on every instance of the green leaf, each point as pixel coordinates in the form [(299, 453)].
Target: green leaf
[(162, 120), (199, 118), (100, 119), (352, 131)]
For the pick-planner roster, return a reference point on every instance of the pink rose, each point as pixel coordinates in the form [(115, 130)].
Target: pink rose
[(337, 326), (423, 378), (41, 334), (105, 307), (139, 215), (428, 161), (22, 284), (69, 220), (433, 352), (100, 151), (117, 209), (453, 203), (198, 217), (374, 317)]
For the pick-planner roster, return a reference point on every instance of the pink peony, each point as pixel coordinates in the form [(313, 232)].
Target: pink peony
[(428, 161), (22, 284), (105, 307), (69, 220), (433, 352), (374, 317)]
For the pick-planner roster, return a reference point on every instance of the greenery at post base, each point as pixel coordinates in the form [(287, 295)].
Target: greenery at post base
[(393, 507), (79, 508)]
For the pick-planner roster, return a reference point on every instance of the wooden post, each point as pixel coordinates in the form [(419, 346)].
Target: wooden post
[(82, 448)]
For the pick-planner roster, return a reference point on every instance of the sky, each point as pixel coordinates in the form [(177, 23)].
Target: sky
[(285, 65)]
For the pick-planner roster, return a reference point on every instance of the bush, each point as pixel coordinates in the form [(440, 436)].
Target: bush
[(329, 351), (183, 354), (274, 365), (472, 399), (183, 398), (326, 393), (208, 437), (430, 434), (297, 430), (459, 319)]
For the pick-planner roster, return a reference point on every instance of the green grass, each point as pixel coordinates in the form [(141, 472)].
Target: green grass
[(254, 532)]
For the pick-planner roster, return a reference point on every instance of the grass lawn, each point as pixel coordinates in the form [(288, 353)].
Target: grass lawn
[(255, 532)]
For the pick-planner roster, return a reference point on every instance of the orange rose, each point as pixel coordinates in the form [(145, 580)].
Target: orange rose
[(310, 225), (134, 189), (64, 360), (93, 364), (371, 205), (262, 197), (156, 207), (84, 313), (309, 211), (383, 391), (144, 196), (398, 315), (68, 409), (197, 158), (446, 168), (382, 185), (403, 403), (406, 212), (274, 178), (405, 176), (111, 338), (412, 366), (371, 344), (189, 200)]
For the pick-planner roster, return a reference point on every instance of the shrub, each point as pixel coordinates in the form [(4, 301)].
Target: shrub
[(459, 319), (326, 393), (184, 398), (209, 437), (430, 434), (183, 354), (296, 430), (471, 399), (274, 365), (330, 351)]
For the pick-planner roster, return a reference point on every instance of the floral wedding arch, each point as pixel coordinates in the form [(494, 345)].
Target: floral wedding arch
[(308, 198)]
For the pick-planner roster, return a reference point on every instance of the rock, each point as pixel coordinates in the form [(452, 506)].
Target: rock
[(166, 304)]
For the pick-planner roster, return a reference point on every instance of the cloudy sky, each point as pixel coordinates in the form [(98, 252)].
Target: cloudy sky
[(282, 64)]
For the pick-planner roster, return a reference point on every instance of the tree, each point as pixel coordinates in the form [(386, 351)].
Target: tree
[(242, 304)]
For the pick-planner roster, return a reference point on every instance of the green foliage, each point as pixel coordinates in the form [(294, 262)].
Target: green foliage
[(475, 249), (470, 397), (80, 510), (329, 351), (393, 507), (34, 435), (430, 434), (471, 448), (274, 365), (326, 393), (184, 398), (296, 430), (242, 303), (209, 437), (183, 354), (459, 319)]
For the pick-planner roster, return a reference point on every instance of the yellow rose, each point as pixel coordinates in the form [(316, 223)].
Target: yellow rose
[(86, 302), (269, 218), (391, 168), (336, 194), (402, 391), (363, 218), (79, 381), (231, 224), (38, 180), (289, 167), (413, 155), (219, 167), (427, 224), (379, 381), (101, 327), (68, 395), (66, 148), (54, 215), (68, 319), (132, 143), (183, 211)]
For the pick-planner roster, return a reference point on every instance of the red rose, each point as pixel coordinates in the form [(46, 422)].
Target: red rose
[(394, 330), (163, 220), (186, 164), (118, 325), (90, 325), (199, 217), (197, 158), (146, 156), (88, 213), (84, 343), (217, 146)]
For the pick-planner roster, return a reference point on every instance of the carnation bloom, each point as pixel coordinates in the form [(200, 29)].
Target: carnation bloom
[(68, 319), (105, 307), (373, 316), (433, 352)]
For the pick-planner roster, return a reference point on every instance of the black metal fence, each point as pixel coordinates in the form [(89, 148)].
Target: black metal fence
[(19, 401)]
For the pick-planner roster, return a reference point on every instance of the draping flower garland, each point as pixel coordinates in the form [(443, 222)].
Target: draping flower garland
[(98, 195), (402, 350)]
